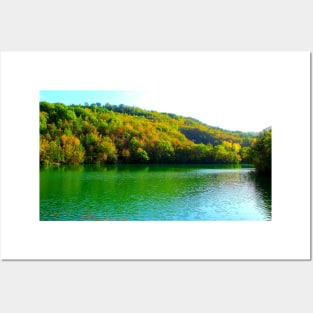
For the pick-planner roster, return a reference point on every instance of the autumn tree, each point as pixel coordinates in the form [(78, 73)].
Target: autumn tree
[(72, 151)]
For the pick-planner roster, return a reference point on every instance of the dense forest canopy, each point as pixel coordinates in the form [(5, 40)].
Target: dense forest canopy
[(108, 133)]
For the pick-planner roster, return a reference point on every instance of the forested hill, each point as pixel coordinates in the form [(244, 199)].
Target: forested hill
[(108, 134)]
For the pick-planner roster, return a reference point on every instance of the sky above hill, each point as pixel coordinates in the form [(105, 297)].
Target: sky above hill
[(228, 110)]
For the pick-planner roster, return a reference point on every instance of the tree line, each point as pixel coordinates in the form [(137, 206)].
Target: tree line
[(96, 133)]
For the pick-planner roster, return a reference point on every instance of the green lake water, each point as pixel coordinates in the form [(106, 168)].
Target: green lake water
[(154, 193)]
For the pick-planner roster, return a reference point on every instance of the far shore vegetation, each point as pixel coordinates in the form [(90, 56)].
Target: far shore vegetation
[(109, 134)]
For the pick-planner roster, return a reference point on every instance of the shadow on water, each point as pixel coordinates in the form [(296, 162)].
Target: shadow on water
[(263, 185), (139, 167)]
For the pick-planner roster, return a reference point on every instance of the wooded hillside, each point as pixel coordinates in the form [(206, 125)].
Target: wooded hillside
[(109, 134)]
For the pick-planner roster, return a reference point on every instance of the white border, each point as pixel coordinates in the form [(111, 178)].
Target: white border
[(283, 76)]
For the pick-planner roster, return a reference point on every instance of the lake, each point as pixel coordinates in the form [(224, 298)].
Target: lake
[(154, 193)]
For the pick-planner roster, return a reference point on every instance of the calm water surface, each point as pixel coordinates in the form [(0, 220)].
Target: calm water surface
[(147, 193)]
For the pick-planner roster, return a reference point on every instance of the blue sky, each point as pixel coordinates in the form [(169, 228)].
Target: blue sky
[(91, 96), (218, 111)]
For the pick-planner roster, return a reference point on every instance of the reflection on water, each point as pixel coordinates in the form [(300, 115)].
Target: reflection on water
[(154, 192)]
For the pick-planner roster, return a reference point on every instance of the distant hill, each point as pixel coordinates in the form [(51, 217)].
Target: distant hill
[(192, 128), (118, 133)]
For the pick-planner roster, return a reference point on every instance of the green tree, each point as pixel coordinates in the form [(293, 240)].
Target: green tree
[(107, 150), (43, 121), (137, 151), (260, 152)]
